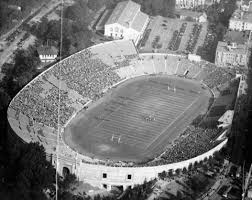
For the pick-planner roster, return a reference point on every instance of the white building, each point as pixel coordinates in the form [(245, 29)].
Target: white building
[(244, 5), (191, 15), (126, 22), (228, 55), (47, 53), (194, 3), (241, 19)]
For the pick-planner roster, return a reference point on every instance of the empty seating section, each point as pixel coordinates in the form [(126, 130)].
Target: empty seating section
[(159, 63), (171, 64), (194, 69), (182, 67), (148, 64), (85, 75)]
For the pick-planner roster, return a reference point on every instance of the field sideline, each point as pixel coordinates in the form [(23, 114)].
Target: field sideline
[(137, 119)]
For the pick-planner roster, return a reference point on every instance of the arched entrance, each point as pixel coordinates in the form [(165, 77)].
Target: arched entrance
[(65, 171)]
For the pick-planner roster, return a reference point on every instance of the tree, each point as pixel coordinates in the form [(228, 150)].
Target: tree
[(67, 182), (95, 4), (170, 172), (184, 171), (4, 99), (177, 171), (25, 61), (28, 172), (196, 164), (190, 166), (162, 175), (168, 8)]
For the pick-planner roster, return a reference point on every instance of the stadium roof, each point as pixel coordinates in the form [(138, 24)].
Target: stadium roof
[(128, 14)]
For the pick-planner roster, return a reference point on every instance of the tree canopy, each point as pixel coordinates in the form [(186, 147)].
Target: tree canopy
[(27, 173)]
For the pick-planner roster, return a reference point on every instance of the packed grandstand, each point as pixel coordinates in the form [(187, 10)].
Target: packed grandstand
[(86, 76)]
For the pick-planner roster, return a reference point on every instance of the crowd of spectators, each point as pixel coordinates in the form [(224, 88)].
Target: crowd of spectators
[(43, 110), (218, 76), (85, 75), (80, 73), (193, 142)]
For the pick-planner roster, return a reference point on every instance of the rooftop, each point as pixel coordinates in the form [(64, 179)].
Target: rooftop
[(237, 36), (238, 48), (47, 50), (242, 16), (188, 13), (139, 21), (124, 13)]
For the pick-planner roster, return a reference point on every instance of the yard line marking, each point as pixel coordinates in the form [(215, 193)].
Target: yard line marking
[(107, 116), (187, 108)]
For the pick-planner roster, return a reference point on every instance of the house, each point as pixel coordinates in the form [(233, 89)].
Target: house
[(203, 18), (126, 22), (231, 54), (47, 53), (241, 20)]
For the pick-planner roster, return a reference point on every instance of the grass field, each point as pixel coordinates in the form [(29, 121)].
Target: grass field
[(137, 119)]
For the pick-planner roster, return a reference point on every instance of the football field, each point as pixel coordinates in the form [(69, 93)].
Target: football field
[(137, 119)]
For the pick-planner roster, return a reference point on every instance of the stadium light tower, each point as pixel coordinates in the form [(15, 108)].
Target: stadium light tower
[(59, 96)]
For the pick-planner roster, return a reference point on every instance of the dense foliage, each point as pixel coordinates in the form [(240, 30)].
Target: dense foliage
[(76, 35), (158, 7), (27, 173), (218, 16), (9, 15), (21, 72)]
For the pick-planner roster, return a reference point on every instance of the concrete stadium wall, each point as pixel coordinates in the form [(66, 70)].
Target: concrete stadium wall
[(119, 176)]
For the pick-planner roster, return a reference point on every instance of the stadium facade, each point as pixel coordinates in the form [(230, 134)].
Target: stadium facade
[(85, 76)]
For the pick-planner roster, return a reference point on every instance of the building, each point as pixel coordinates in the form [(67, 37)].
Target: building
[(241, 20), (47, 54), (194, 3), (228, 55), (126, 22), (191, 15), (244, 5), (15, 7)]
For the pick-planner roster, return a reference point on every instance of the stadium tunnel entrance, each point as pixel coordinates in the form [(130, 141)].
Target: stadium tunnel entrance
[(65, 171)]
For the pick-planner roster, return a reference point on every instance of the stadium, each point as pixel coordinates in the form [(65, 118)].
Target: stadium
[(124, 116)]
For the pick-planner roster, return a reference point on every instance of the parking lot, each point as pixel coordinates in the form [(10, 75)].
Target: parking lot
[(167, 35)]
